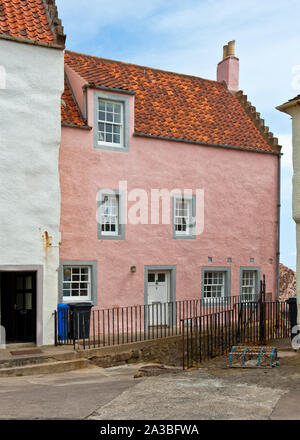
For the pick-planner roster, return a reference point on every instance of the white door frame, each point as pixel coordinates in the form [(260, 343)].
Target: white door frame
[(171, 286)]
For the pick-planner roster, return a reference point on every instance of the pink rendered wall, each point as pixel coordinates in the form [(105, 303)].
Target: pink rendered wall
[(228, 71), (77, 84), (240, 211)]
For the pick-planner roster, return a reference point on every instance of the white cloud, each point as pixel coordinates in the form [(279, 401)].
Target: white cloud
[(85, 18)]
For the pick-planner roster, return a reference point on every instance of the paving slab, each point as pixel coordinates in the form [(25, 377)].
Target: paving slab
[(193, 396), (72, 395)]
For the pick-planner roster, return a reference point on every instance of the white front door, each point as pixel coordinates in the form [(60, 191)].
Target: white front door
[(158, 297)]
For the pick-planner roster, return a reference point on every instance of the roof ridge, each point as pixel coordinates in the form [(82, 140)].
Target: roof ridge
[(258, 121), (55, 22), (144, 67)]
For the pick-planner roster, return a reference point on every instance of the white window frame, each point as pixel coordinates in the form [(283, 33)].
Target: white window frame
[(190, 217), (117, 224), (223, 285), (248, 297), (121, 124), (226, 285), (189, 202), (79, 298)]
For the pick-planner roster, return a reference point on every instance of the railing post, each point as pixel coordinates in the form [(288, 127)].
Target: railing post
[(183, 345)]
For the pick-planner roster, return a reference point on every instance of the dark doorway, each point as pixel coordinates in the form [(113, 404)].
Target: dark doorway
[(18, 305)]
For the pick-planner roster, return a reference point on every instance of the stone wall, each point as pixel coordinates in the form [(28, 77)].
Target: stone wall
[(167, 351)]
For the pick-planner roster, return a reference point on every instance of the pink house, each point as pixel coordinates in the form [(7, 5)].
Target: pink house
[(129, 132)]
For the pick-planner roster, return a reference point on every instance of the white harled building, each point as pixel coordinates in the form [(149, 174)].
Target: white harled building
[(31, 85)]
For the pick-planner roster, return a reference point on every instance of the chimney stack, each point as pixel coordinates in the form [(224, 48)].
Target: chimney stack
[(228, 68)]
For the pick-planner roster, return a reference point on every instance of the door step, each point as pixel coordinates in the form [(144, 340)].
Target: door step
[(45, 368), (20, 346)]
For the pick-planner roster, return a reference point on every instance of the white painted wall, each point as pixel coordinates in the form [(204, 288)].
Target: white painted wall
[(30, 128), (294, 111)]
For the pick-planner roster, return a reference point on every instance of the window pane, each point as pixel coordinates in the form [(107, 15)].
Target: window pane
[(28, 301), (109, 117), (101, 105), (108, 137), (109, 107), (67, 274), (101, 136), (151, 277), (117, 118), (109, 128), (28, 283), (117, 108), (116, 138), (161, 277), (102, 116), (83, 293)]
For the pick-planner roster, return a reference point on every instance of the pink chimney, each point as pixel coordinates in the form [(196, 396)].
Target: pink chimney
[(228, 68)]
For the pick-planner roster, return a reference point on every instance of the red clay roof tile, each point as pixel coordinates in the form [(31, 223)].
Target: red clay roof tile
[(174, 105), (28, 19), (69, 110)]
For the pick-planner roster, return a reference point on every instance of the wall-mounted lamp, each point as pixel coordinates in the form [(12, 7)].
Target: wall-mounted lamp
[(133, 268)]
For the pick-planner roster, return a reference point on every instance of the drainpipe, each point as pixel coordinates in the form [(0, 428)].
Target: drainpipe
[(278, 214)]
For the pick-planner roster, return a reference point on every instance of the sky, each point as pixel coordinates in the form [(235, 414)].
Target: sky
[(188, 36)]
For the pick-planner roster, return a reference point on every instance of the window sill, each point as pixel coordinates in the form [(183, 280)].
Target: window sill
[(184, 237), (110, 237), (111, 147), (70, 299), (110, 144)]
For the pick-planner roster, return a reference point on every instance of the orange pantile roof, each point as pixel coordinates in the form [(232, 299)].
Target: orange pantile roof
[(34, 20), (70, 113), (176, 106)]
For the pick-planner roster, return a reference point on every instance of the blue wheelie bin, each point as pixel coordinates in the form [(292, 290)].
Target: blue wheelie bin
[(62, 321)]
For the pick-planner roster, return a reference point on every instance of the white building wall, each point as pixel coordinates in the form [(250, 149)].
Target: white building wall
[(30, 129), (295, 113)]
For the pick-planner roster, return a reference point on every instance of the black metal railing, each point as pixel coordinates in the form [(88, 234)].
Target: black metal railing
[(122, 325), (210, 335)]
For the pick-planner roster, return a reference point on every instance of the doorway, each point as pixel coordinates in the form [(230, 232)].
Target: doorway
[(18, 305)]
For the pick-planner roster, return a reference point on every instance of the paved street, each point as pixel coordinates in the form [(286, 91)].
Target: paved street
[(212, 392)]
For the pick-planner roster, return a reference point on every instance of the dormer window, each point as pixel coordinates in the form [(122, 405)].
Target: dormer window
[(110, 123)]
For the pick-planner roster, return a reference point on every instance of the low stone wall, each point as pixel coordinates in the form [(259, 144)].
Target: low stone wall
[(167, 351)]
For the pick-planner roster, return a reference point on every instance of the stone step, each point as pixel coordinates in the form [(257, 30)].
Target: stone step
[(45, 368), (22, 361)]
